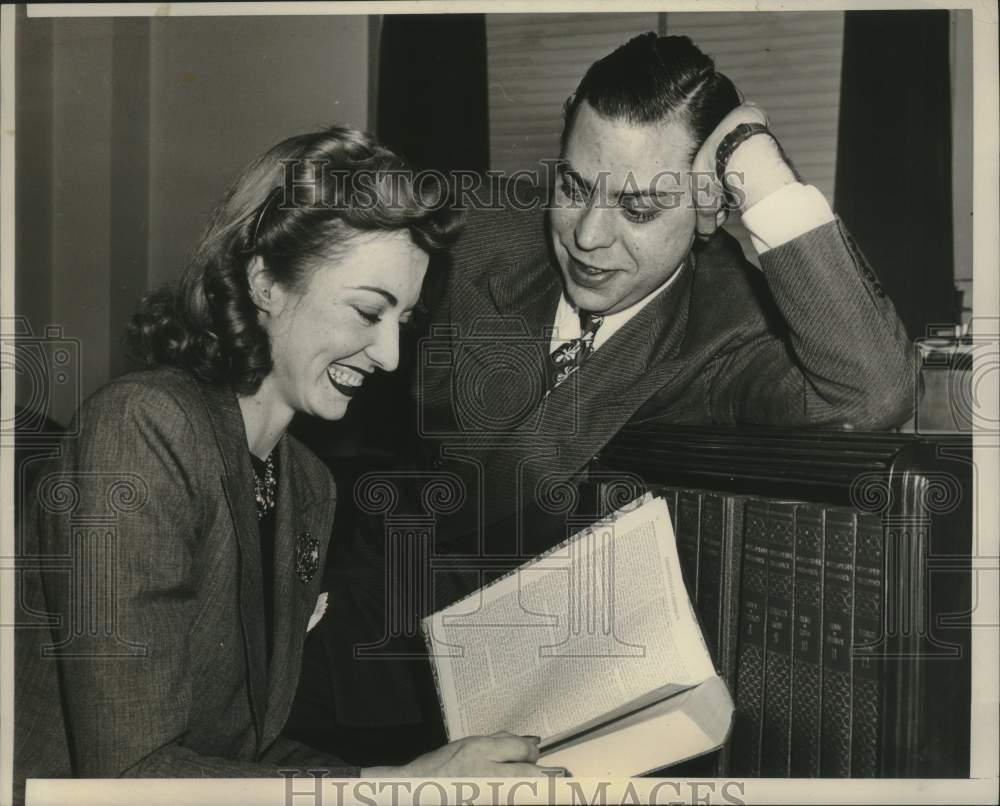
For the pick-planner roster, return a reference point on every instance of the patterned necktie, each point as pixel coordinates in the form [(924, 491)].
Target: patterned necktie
[(566, 358)]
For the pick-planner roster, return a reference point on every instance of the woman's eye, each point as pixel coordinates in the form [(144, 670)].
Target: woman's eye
[(371, 317), (413, 319)]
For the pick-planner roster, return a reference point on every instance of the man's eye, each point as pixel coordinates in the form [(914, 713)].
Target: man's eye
[(571, 190), (640, 213)]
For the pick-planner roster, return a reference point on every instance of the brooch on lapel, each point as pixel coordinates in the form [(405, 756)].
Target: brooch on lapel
[(306, 556)]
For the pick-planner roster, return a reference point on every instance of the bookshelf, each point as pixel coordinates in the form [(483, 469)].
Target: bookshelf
[(831, 573)]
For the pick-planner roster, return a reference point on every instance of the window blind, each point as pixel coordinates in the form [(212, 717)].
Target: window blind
[(534, 63), (787, 63)]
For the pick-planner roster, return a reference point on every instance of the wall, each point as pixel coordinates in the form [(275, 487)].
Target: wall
[(129, 131), (33, 189), (81, 189), (63, 196), (222, 90)]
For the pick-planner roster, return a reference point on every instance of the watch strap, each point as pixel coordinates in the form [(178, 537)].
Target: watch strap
[(732, 141)]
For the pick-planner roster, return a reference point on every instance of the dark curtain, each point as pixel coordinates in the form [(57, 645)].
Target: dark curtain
[(893, 186), (432, 103)]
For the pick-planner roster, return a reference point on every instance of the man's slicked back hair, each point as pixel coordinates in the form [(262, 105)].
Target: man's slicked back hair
[(651, 79)]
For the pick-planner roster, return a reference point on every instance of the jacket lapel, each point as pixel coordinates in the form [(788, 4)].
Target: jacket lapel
[(530, 290), (580, 416), (526, 297), (237, 482), (303, 513)]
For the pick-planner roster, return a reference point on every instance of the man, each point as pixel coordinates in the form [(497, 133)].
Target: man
[(624, 303)]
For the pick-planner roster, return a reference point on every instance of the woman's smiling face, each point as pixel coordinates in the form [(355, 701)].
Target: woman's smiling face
[(343, 324)]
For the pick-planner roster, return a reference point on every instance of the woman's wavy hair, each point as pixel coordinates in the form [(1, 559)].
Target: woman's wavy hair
[(654, 78), (300, 203)]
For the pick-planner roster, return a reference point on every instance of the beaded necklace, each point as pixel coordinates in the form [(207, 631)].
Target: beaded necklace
[(265, 485)]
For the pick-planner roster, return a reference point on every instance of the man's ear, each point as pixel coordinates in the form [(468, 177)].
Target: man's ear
[(262, 285)]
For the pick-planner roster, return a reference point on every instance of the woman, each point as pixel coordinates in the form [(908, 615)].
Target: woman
[(195, 528)]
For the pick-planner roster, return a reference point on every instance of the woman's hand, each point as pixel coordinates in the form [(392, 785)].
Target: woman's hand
[(500, 755), (754, 170)]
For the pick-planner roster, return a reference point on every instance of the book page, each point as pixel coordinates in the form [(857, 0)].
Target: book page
[(600, 625), (668, 732)]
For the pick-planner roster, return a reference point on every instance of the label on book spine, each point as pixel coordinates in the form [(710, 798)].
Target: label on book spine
[(778, 645), (807, 635), (868, 638), (838, 634), (746, 755)]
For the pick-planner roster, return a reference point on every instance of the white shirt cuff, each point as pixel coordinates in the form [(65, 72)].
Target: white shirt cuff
[(785, 215)]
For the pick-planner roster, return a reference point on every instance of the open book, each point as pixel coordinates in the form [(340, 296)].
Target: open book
[(593, 646)]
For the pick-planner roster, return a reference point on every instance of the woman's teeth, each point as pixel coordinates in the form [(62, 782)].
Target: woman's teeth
[(345, 376)]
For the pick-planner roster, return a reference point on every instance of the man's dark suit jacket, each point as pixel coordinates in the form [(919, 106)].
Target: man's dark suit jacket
[(142, 580), (810, 339)]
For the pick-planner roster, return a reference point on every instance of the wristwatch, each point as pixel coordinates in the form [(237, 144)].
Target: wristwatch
[(732, 141)]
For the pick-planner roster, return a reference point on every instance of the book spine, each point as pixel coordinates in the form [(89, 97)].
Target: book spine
[(778, 642), (710, 571), (838, 631), (746, 756), (732, 575), (868, 636), (807, 636), (669, 494), (687, 530)]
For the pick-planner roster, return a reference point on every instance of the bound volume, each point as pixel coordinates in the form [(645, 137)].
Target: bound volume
[(594, 646)]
